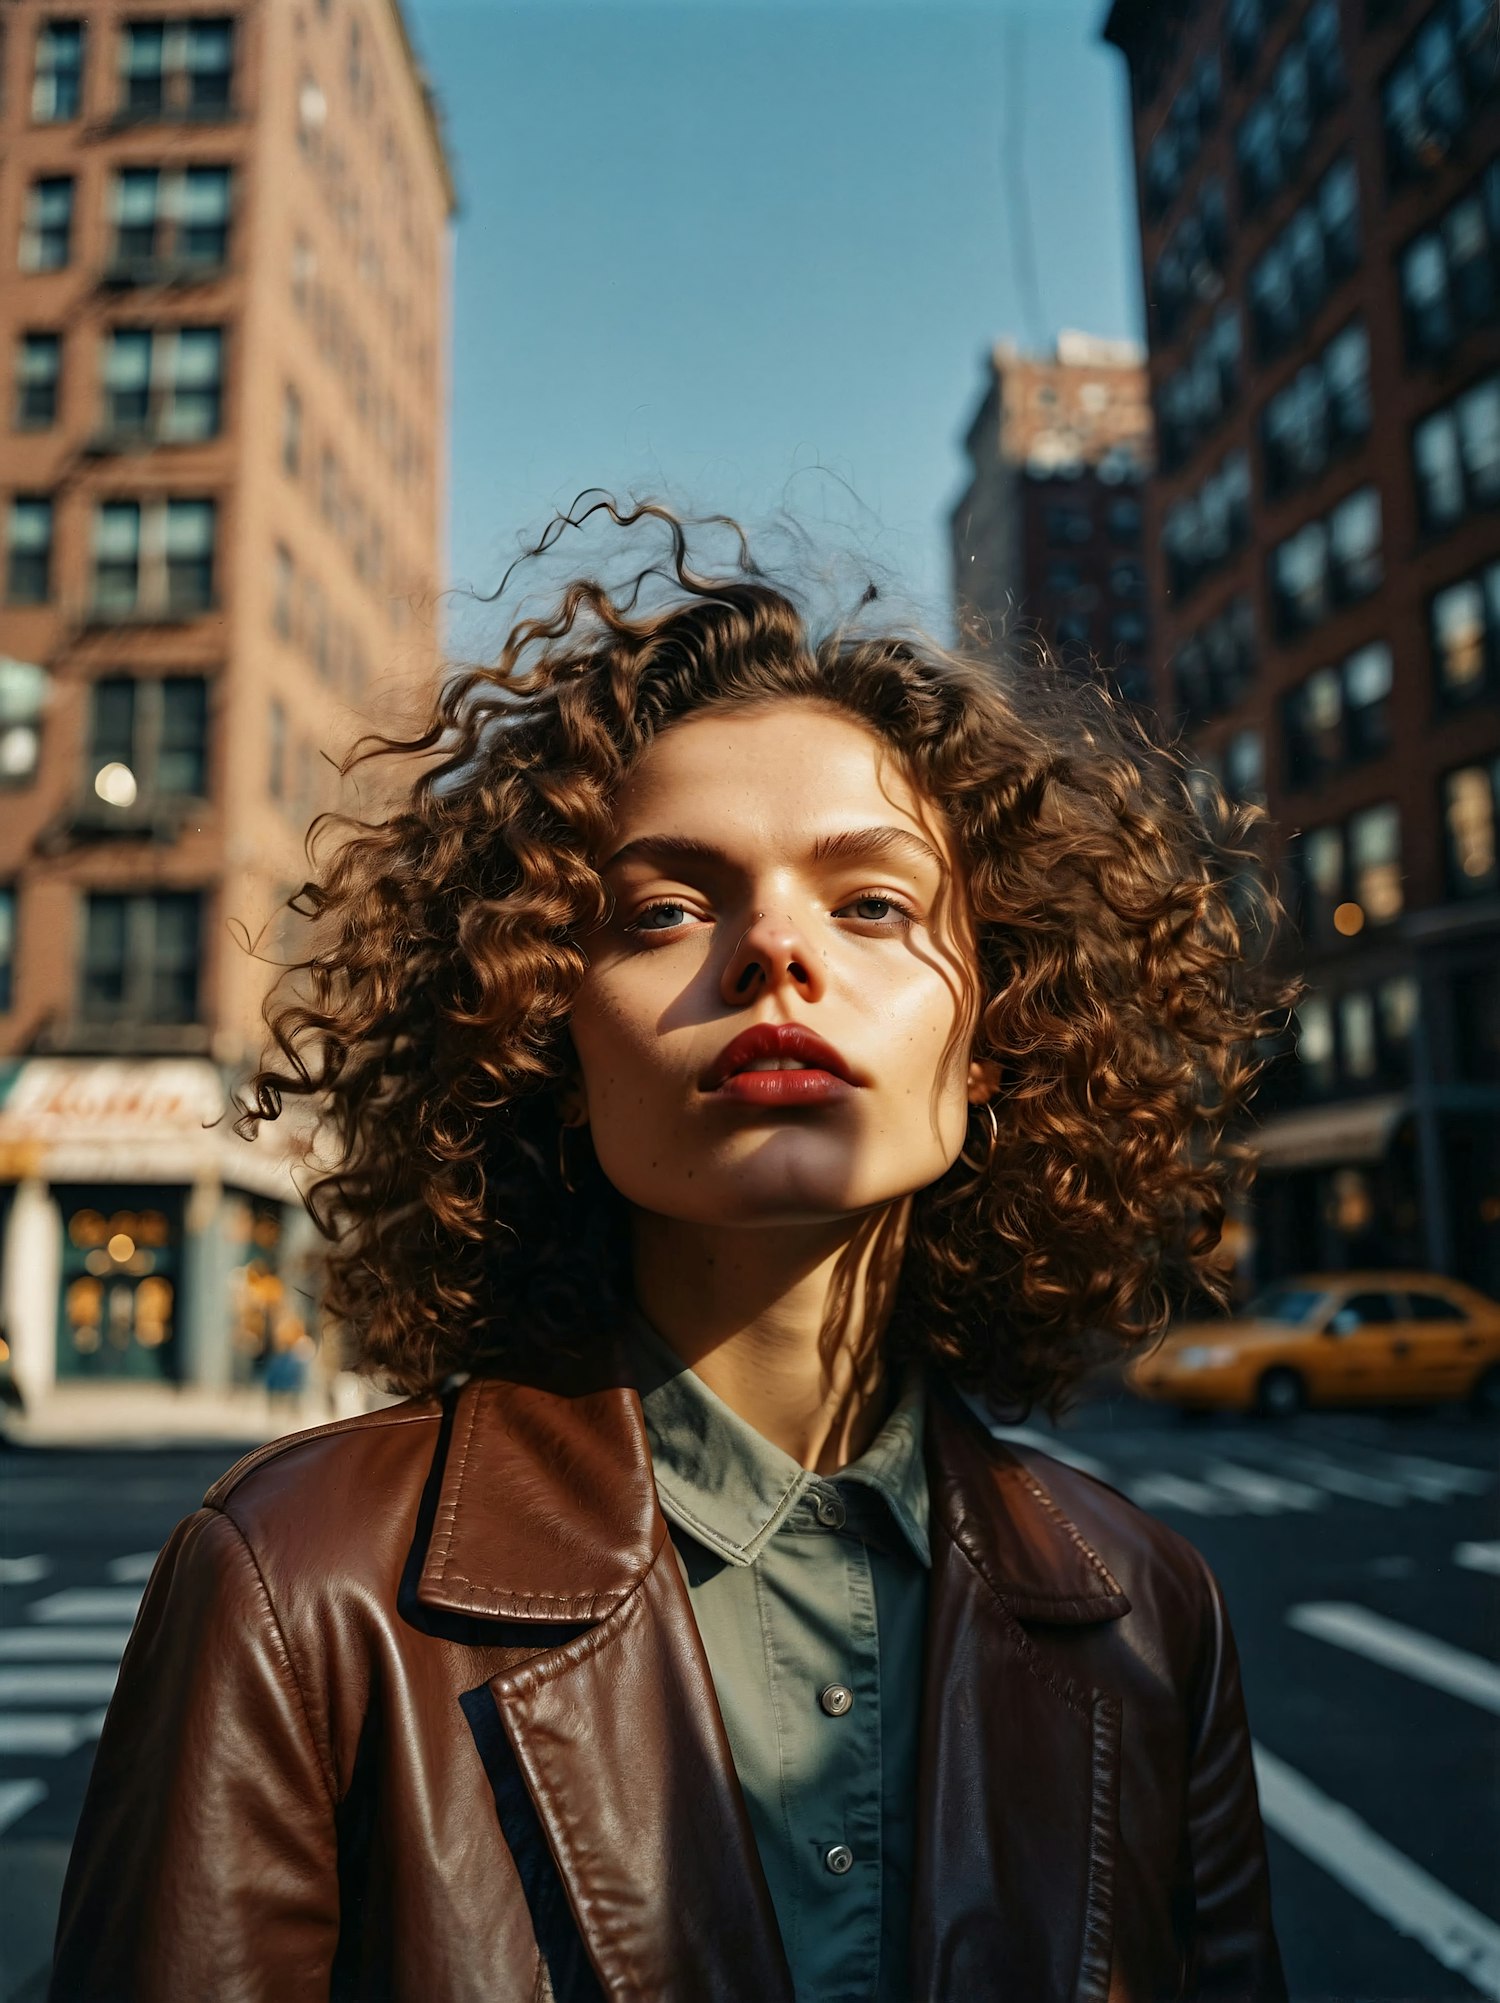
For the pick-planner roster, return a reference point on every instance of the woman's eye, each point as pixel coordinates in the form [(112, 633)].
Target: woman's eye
[(670, 914), (889, 907)]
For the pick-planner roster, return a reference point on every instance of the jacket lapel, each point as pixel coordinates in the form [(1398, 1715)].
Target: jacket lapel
[(545, 1519), (1018, 1814)]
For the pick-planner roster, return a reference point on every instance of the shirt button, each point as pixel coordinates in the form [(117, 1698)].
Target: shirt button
[(830, 1511), (837, 1699), (839, 1859)]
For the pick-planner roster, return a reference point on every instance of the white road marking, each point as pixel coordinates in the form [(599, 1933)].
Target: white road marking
[(133, 1570), (1437, 1481), (50, 1733), (24, 1571), (1048, 1443), (61, 1644), (55, 1683), (83, 1603), (1330, 1474), (1265, 1494), (1477, 1557), (1401, 1648), (1390, 1884), (1173, 1491), (16, 1796)]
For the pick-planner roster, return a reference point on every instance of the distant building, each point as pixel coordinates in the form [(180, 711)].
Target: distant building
[(223, 339), (1046, 538), (1319, 198)]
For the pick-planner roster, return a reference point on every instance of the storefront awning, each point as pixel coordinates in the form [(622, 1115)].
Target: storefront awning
[(1360, 1130), (106, 1120)]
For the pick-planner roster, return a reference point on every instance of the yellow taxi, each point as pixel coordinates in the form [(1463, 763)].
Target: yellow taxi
[(1333, 1339)]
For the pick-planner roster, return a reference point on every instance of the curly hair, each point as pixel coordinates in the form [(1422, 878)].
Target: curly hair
[(1122, 915)]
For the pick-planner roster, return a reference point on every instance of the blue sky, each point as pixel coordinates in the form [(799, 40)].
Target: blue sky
[(749, 256)]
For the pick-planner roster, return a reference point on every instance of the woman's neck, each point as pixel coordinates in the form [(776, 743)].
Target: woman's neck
[(784, 1324)]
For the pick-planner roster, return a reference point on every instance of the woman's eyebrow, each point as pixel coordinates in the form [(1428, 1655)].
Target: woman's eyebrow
[(849, 845)]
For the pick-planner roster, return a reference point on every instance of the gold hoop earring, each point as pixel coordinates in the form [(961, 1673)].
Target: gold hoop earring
[(980, 1166), (562, 1160)]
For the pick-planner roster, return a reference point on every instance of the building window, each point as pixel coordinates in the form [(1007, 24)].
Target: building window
[(1123, 520), (154, 559), (1350, 875), (285, 586), (176, 216), (156, 732), (1362, 1039), (1471, 810), (1328, 563), (1432, 93), (1324, 409), (176, 68), (1216, 665), (1194, 113), (1465, 625), (24, 688), (1315, 1049), (1191, 402), (57, 86), (1191, 266), (1202, 531), (1067, 525), (276, 761), (1339, 716), (28, 550), (7, 947), (1245, 766), (1450, 274), (1311, 256), (47, 229), (291, 432), (164, 383), (140, 957), (1456, 457), (1272, 143), (38, 372)]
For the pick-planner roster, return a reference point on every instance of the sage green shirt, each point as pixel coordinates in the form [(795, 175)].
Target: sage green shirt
[(810, 1593)]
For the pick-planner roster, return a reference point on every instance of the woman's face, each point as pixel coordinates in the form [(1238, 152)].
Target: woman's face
[(773, 867)]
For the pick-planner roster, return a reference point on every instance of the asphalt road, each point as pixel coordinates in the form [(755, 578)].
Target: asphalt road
[(1360, 1555)]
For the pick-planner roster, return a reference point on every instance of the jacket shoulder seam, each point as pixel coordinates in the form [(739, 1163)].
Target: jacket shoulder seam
[(325, 1764), (274, 1450)]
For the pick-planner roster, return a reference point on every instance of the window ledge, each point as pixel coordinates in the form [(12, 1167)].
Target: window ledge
[(161, 271), (126, 119), (76, 1036), (95, 616)]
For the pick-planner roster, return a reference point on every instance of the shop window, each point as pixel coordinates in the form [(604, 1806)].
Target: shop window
[(24, 688), (1434, 91), (7, 947), (1456, 457), (1465, 623), (1471, 809), (148, 739), (57, 82), (120, 1263), (164, 383), (140, 957), (176, 68), (47, 225), (38, 374), (174, 216), (28, 550)]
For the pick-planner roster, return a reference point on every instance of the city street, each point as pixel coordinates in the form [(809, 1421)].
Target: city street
[(1360, 1554)]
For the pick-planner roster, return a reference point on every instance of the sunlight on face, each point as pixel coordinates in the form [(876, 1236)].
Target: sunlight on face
[(735, 905)]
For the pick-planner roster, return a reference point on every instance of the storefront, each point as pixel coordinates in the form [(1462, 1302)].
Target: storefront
[(140, 1238)]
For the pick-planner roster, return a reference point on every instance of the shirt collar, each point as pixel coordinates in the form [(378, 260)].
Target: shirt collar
[(731, 1488)]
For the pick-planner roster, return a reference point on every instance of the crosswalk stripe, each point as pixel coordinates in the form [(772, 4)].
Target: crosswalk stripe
[(1174, 1491), (1266, 1494), (1438, 1481), (83, 1603), (1332, 1475), (1047, 1443), (50, 1733), (24, 1571), (53, 1682), (1477, 1557), (132, 1570), (1378, 1874), (61, 1644), (1401, 1648), (16, 1796)]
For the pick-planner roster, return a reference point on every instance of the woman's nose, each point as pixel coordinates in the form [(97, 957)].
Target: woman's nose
[(772, 953)]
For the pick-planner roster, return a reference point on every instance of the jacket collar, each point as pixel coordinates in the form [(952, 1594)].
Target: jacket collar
[(547, 1511)]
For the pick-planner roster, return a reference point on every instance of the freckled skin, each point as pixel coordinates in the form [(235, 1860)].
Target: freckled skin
[(765, 932)]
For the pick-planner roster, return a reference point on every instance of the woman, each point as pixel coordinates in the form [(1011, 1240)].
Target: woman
[(747, 1059)]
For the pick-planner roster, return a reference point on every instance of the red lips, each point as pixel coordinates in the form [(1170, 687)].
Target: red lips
[(784, 1040)]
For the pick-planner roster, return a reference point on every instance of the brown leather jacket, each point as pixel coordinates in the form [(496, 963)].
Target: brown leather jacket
[(416, 1710)]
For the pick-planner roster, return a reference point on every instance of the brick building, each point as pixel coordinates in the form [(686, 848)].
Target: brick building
[(1319, 206), (1046, 538), (224, 239)]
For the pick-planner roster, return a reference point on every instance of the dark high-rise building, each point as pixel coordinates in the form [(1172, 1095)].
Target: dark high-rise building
[(1319, 204)]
